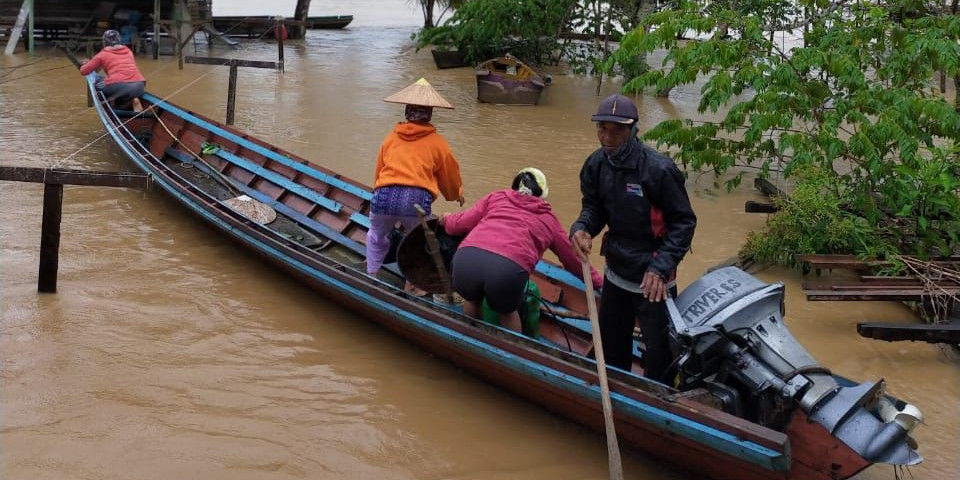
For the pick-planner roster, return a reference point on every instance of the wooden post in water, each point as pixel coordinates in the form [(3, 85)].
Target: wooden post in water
[(156, 29), (50, 237), (31, 14), (278, 31), (177, 31), (232, 93), (53, 180), (233, 63)]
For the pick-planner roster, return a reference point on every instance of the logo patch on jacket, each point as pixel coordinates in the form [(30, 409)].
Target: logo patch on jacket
[(634, 189)]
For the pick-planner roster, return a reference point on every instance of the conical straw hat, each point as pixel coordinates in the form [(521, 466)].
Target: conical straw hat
[(419, 93)]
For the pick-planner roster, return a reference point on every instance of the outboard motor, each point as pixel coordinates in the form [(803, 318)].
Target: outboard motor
[(733, 342)]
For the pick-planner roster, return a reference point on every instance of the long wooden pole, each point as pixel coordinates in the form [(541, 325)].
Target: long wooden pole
[(613, 448)]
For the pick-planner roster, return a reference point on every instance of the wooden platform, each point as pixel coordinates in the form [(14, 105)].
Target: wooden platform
[(861, 291), (866, 285)]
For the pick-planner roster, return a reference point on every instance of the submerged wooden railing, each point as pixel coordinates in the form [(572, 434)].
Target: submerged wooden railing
[(866, 285), (53, 180)]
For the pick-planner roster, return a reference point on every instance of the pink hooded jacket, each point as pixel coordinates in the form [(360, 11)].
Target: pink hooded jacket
[(119, 64), (518, 227)]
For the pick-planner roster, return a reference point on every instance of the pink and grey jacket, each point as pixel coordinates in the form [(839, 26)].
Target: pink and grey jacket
[(119, 64), (518, 227)]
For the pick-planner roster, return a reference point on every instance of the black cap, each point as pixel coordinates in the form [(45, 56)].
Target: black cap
[(617, 109)]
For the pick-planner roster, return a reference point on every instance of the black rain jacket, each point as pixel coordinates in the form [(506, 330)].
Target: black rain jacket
[(640, 195)]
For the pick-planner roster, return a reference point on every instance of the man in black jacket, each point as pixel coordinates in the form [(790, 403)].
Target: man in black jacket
[(639, 194)]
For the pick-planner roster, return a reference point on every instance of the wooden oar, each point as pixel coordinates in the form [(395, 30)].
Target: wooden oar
[(613, 448), (433, 247)]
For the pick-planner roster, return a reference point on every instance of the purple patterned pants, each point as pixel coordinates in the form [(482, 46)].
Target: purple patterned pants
[(378, 242), (392, 204)]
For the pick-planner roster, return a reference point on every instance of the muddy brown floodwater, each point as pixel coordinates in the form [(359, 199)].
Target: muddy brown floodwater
[(168, 352)]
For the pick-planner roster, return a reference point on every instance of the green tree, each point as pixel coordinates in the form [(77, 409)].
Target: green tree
[(529, 29), (429, 8), (848, 109)]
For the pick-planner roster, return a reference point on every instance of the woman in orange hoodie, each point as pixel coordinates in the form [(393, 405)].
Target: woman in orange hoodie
[(415, 164), (124, 82)]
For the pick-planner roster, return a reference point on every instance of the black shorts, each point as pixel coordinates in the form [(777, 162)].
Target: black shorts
[(479, 274)]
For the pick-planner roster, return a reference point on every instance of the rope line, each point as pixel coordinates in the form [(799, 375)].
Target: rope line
[(123, 124)]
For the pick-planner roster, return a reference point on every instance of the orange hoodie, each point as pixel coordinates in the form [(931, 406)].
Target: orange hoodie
[(415, 155)]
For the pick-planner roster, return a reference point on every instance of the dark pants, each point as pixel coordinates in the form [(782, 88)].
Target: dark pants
[(121, 93), (620, 310), (479, 274)]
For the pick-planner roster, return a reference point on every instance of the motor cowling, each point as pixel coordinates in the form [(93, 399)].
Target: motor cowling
[(732, 340)]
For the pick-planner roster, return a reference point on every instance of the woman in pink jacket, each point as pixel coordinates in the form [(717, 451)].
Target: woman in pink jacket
[(123, 84), (507, 232)]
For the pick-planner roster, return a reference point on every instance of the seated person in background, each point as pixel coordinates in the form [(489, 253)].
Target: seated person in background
[(507, 233), (123, 83), (128, 35)]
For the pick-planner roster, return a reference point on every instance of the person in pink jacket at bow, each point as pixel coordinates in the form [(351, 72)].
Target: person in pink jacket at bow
[(507, 233), (123, 84)]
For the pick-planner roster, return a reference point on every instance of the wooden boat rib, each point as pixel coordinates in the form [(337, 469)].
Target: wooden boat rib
[(318, 238)]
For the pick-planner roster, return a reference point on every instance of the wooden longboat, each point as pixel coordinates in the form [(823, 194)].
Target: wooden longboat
[(508, 81), (318, 238)]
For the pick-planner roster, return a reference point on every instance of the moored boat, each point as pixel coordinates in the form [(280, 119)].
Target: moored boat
[(329, 21), (250, 26), (508, 81), (449, 58), (803, 422)]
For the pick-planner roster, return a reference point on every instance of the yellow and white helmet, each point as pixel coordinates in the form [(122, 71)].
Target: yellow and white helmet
[(538, 177)]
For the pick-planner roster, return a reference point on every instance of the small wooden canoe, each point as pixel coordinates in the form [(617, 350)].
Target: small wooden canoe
[(508, 81), (318, 237), (449, 58), (331, 22)]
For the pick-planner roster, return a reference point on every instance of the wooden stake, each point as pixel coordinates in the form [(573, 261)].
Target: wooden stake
[(278, 30), (50, 237), (232, 93), (232, 86), (156, 29), (613, 448), (30, 18)]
